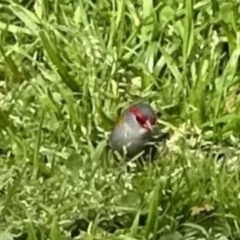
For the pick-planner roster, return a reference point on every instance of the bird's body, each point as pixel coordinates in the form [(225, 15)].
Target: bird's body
[(134, 131)]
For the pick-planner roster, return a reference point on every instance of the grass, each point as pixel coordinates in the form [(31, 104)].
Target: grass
[(67, 68)]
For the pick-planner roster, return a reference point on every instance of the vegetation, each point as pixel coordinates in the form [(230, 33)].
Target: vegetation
[(67, 68)]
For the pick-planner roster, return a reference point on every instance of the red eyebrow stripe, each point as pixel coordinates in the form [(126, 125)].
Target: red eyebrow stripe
[(134, 110)]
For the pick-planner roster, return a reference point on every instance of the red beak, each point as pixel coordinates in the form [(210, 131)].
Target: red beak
[(148, 125)]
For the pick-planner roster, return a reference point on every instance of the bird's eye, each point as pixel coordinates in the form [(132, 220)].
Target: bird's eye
[(141, 119)]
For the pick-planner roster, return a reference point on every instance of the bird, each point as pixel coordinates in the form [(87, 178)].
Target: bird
[(134, 131)]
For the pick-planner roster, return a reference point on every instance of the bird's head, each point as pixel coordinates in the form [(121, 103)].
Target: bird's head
[(142, 115)]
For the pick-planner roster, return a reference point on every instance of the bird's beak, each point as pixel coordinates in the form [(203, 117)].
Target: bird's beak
[(148, 125)]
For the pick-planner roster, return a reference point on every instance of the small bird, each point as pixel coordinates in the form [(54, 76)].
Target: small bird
[(134, 131)]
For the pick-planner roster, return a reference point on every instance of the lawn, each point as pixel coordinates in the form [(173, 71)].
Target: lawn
[(68, 68)]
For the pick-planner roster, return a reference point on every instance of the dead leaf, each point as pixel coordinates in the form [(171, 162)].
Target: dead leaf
[(196, 210)]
